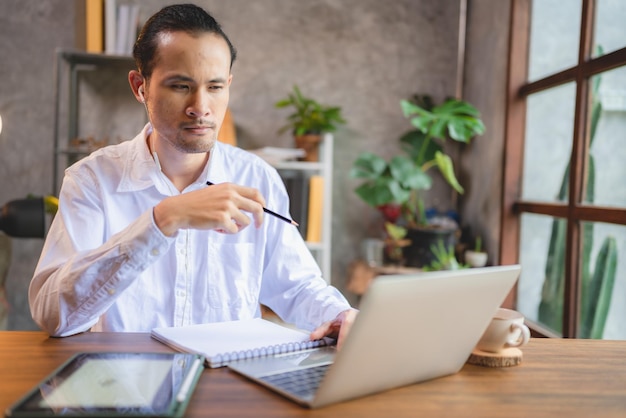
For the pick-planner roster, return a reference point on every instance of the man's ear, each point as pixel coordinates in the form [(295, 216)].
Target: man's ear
[(137, 84)]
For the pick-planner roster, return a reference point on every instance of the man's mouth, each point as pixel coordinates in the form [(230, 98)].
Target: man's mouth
[(199, 129)]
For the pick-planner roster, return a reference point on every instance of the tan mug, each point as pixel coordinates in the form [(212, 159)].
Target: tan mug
[(506, 330)]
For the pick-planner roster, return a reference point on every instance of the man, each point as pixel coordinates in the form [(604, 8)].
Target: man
[(140, 240)]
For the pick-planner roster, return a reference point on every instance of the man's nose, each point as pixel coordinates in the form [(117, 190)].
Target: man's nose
[(199, 105)]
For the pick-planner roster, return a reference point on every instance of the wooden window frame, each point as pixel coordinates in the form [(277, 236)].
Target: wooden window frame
[(518, 89)]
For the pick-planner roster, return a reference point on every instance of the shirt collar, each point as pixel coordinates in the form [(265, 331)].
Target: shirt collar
[(141, 171), (215, 170)]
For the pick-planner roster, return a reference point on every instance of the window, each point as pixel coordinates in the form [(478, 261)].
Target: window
[(565, 166)]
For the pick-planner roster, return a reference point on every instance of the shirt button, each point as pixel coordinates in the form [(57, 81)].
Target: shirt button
[(111, 291), (154, 252)]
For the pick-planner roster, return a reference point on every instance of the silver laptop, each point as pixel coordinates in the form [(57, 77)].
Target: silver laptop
[(410, 328)]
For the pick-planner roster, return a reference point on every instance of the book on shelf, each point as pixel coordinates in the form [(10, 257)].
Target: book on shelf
[(224, 342), (123, 19), (121, 26), (316, 208), (133, 29), (94, 30), (297, 185), (277, 155), (110, 18)]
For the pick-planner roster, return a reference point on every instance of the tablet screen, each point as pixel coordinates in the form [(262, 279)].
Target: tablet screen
[(110, 383)]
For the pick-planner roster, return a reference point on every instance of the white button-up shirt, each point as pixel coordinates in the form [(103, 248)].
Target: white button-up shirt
[(106, 266)]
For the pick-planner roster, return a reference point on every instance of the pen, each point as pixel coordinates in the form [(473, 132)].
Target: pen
[(266, 210)]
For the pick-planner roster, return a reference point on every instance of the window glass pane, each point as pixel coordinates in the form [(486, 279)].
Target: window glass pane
[(554, 37), (540, 287), (603, 292), (609, 27), (607, 170), (548, 143)]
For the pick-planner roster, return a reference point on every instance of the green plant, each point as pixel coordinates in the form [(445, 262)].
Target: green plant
[(309, 116), (596, 289), (478, 244), (51, 204), (445, 259), (395, 241), (597, 292), (399, 181)]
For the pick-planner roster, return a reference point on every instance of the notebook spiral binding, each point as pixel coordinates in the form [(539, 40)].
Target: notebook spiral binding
[(225, 358)]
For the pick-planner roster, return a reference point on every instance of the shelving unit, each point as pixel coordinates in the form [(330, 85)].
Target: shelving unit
[(111, 111), (321, 250), (114, 115)]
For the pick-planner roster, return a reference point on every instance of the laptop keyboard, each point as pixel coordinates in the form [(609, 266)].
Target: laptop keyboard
[(301, 382)]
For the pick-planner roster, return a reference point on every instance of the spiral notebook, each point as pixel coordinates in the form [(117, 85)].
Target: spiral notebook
[(224, 342)]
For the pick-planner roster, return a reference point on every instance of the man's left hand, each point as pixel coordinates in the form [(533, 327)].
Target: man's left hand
[(338, 328)]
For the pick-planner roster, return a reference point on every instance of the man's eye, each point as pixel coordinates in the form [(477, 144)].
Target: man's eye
[(180, 87), (216, 87)]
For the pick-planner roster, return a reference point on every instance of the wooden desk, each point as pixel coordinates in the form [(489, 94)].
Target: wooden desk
[(565, 378)]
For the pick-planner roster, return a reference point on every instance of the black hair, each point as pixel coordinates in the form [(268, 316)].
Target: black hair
[(176, 18)]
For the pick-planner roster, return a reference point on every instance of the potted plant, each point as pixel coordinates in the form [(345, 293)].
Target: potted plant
[(476, 257), (309, 121), (395, 186)]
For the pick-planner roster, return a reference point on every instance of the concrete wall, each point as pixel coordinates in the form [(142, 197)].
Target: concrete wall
[(29, 33), (363, 55), (484, 85)]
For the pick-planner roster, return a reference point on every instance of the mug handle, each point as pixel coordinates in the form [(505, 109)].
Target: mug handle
[(523, 338)]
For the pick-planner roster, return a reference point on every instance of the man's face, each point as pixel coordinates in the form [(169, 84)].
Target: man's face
[(187, 94)]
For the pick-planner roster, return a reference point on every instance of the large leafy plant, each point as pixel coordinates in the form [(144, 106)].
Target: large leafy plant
[(398, 182)]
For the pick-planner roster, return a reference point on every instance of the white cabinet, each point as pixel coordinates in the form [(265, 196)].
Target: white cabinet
[(321, 250)]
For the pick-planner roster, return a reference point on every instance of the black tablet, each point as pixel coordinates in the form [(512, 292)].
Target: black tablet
[(114, 384)]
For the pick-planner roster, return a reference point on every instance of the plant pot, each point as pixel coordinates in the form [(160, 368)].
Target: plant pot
[(419, 252), (310, 143), (23, 218), (475, 258), (391, 212)]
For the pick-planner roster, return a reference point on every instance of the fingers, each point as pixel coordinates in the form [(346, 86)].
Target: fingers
[(229, 206), (348, 319), (223, 207), (338, 328), (250, 200), (322, 331)]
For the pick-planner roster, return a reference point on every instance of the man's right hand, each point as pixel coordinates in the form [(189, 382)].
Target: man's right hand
[(220, 207)]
